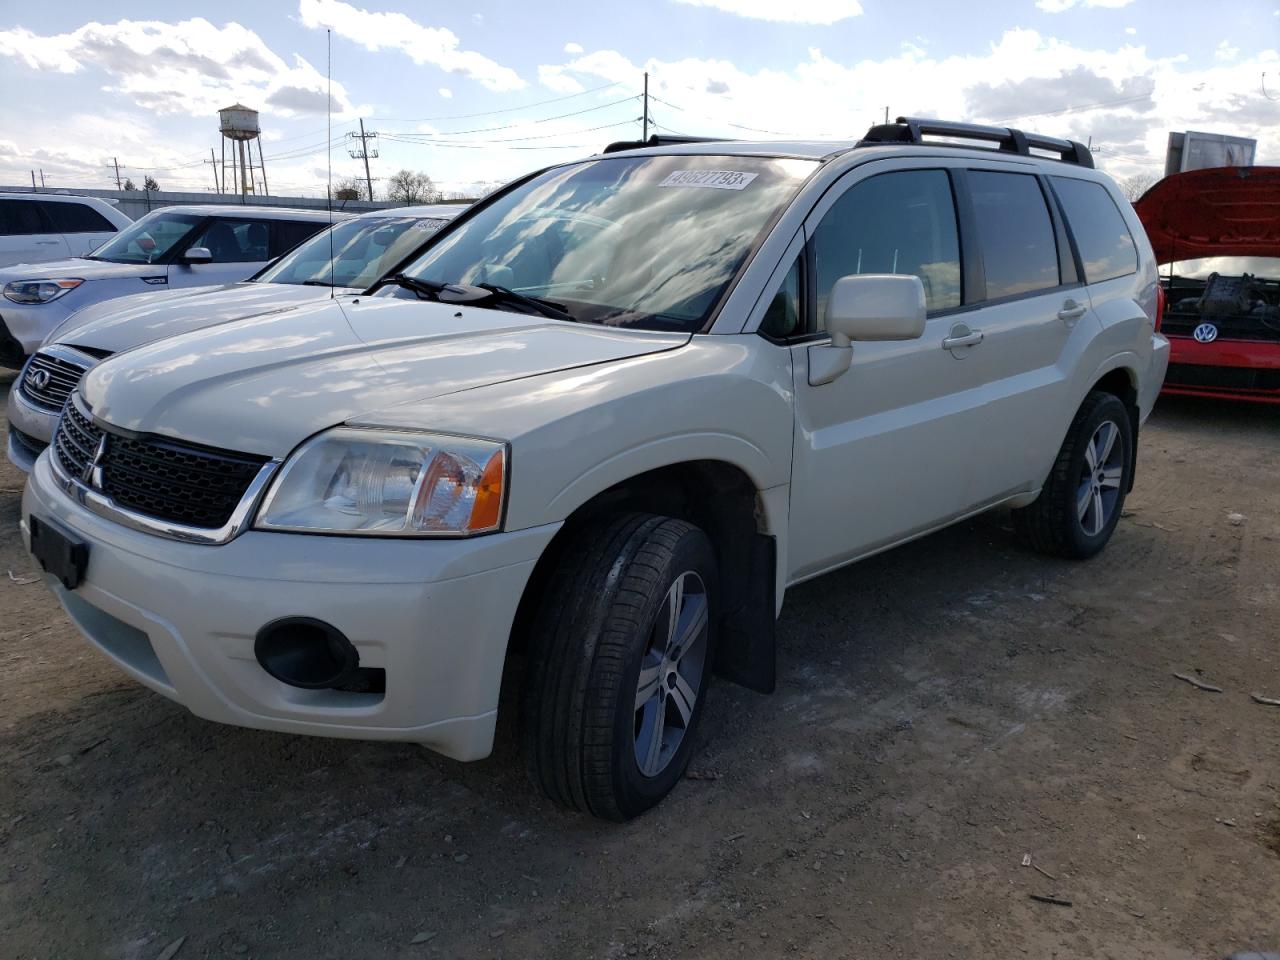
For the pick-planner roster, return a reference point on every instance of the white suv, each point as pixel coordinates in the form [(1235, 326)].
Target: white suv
[(35, 228), (601, 424)]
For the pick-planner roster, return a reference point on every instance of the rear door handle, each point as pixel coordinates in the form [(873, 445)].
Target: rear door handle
[(46, 243), (1071, 311), (973, 338)]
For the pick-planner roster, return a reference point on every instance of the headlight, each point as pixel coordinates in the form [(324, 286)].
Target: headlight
[(39, 291), (389, 483)]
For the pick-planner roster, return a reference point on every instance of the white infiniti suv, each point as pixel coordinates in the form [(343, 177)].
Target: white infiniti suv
[(602, 423)]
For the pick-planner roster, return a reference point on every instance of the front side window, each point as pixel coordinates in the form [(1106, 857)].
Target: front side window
[(645, 242), (1103, 239), (363, 250), (1019, 251), (235, 241), (70, 217), (901, 223), (149, 240)]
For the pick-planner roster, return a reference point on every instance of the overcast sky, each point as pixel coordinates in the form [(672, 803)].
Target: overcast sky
[(483, 91)]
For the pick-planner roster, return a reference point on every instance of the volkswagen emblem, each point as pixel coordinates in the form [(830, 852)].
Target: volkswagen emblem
[(1205, 333), (38, 379)]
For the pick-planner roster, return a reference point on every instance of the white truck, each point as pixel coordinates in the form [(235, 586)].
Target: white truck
[(600, 426)]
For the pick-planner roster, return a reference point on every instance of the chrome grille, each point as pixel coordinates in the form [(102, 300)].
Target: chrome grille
[(169, 480), (48, 380)]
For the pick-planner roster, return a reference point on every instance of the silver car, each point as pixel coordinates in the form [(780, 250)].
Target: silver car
[(345, 260)]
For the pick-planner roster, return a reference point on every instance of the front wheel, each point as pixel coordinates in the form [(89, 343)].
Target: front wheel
[(619, 664), (1080, 504)]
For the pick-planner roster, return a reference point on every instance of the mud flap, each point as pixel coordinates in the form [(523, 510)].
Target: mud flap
[(747, 648)]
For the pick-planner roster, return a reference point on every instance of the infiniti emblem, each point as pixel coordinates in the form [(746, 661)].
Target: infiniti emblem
[(38, 379), (1205, 333), (92, 474)]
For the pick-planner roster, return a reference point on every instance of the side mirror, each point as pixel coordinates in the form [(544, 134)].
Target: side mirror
[(875, 306), (197, 255)]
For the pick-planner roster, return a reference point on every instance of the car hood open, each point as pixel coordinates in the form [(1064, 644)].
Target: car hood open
[(264, 385), (132, 321), (1220, 212)]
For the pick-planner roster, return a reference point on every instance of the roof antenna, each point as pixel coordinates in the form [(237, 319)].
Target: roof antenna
[(328, 34)]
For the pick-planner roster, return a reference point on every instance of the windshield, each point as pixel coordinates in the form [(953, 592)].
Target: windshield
[(646, 242), (148, 240), (1267, 267), (363, 250)]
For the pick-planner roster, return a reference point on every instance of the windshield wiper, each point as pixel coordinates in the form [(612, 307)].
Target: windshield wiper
[(318, 283), (430, 289), (548, 308)]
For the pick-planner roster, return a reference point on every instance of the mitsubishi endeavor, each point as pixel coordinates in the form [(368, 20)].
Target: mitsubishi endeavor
[(601, 424)]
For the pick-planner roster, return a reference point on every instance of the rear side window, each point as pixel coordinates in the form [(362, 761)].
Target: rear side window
[(76, 218), (19, 217), (1103, 239), (1019, 252), (287, 234), (892, 223)]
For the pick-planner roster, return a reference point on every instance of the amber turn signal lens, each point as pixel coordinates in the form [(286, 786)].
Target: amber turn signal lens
[(487, 509)]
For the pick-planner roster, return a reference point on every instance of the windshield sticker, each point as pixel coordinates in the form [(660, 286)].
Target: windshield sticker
[(715, 179)]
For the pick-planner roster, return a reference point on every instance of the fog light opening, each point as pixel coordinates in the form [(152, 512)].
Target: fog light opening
[(307, 653)]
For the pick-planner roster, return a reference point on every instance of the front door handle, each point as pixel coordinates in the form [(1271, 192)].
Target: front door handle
[(1071, 311), (970, 339), (46, 243)]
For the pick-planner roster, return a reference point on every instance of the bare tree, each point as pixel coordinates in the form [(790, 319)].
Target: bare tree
[(1135, 186), (409, 187), (348, 188)]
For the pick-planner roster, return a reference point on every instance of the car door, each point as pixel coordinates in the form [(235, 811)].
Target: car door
[(882, 452), (83, 228), (1035, 321), (26, 235), (239, 248)]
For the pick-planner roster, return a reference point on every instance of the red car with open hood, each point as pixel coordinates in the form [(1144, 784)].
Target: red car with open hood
[(1216, 234)]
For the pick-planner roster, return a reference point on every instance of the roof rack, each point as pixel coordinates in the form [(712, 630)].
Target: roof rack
[(658, 141), (1009, 140)]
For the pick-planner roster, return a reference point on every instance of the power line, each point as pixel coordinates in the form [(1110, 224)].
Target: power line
[(1079, 107), (494, 113), (523, 123)]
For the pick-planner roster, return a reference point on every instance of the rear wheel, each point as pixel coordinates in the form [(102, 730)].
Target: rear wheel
[(619, 664), (1080, 505)]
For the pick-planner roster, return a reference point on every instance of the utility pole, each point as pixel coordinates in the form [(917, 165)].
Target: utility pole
[(364, 153), (116, 162), (645, 118), (42, 178), (213, 162), (33, 180)]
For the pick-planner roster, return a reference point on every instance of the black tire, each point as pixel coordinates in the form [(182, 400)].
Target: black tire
[(590, 634), (1052, 524)]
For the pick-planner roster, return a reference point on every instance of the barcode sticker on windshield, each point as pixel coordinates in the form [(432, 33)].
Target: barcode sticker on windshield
[(715, 179)]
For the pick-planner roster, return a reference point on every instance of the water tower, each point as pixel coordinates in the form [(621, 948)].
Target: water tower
[(239, 125)]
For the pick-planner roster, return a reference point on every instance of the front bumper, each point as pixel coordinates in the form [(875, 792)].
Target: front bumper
[(1227, 369), (27, 324), (30, 429), (181, 618)]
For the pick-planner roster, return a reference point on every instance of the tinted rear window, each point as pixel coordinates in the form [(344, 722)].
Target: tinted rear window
[(76, 218), (287, 234), (19, 217), (1103, 239), (1019, 253)]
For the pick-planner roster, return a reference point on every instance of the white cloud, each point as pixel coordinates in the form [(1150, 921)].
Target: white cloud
[(1226, 51), (1131, 98), (437, 46), (823, 12), (1058, 6), (190, 66), (446, 93), (573, 48), (1131, 31)]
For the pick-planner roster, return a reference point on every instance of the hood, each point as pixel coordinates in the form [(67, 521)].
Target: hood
[(1220, 212), (83, 268), (128, 322), (264, 385)]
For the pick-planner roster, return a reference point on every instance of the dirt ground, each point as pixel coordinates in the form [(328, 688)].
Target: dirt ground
[(943, 710)]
